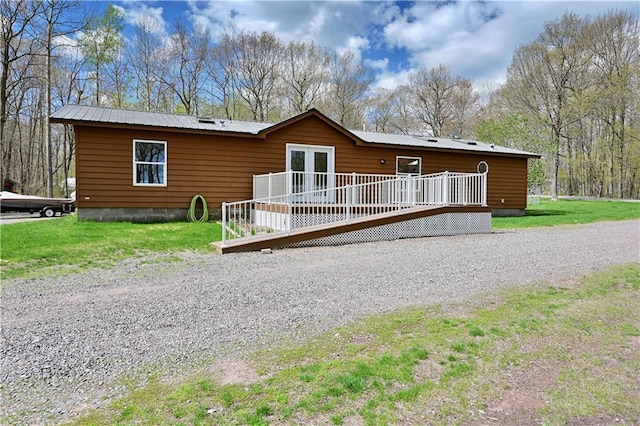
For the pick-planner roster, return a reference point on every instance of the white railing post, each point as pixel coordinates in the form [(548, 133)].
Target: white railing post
[(224, 223), (484, 190), (354, 182), (411, 189), (400, 180), (269, 190), (445, 196), (290, 210), (348, 207), (463, 182)]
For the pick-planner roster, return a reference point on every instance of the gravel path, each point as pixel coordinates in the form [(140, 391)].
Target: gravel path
[(67, 340)]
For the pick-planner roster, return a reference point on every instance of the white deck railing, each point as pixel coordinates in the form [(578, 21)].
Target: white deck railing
[(275, 184), (327, 203)]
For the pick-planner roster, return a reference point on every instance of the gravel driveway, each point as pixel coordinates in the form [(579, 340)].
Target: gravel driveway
[(67, 340)]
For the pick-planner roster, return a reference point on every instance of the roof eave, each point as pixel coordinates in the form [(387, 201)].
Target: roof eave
[(464, 151)]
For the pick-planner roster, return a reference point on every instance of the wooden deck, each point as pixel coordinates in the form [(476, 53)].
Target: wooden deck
[(314, 232)]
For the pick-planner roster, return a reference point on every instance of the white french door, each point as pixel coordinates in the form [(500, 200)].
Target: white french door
[(312, 169)]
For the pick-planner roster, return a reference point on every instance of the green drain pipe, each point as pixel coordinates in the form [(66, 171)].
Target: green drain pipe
[(191, 214)]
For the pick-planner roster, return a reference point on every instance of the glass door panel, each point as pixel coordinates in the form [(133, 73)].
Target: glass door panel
[(298, 166), (320, 164)]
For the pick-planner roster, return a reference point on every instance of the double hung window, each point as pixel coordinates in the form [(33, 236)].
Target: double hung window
[(149, 163)]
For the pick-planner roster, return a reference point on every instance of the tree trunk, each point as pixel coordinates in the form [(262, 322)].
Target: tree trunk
[(47, 126)]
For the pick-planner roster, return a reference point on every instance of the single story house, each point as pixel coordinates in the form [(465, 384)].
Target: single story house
[(146, 166)]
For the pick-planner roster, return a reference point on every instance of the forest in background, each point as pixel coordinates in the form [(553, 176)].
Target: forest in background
[(572, 94)]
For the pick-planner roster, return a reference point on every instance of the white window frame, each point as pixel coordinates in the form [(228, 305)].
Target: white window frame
[(486, 166), (163, 164), (398, 157)]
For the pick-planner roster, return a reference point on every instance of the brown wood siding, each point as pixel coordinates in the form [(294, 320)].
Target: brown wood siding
[(221, 168)]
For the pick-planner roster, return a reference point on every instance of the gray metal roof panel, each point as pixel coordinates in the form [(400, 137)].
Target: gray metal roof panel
[(433, 142), (153, 119)]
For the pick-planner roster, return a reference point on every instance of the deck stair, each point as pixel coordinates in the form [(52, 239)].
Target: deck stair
[(391, 207)]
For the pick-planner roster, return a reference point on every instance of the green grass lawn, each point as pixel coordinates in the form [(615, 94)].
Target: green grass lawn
[(545, 351), (569, 212), (65, 245)]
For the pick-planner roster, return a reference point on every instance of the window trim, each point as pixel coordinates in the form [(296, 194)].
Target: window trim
[(164, 164), (406, 157), (485, 164)]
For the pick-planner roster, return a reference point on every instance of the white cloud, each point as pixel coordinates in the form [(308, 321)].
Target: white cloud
[(343, 26), (356, 45), (475, 39), (379, 64), (139, 12), (391, 80), (67, 46)]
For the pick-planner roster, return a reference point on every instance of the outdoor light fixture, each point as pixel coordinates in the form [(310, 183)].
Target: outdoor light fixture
[(383, 161)]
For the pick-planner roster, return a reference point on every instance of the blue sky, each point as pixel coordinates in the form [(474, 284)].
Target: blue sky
[(475, 39)]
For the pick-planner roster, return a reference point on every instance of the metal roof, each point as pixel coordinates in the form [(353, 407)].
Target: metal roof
[(91, 114), (73, 114), (433, 142)]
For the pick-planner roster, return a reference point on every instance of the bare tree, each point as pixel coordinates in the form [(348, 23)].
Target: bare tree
[(17, 44), (464, 103), (303, 70), (221, 72), (257, 56), (68, 88), (58, 23), (432, 91), (143, 54), (184, 70), (349, 81), (389, 111), (380, 112)]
